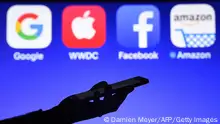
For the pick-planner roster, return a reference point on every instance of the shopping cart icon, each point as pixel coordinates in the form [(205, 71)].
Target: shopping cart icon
[(194, 40)]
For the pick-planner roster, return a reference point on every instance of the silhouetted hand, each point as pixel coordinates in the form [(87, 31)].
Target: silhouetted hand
[(75, 110)]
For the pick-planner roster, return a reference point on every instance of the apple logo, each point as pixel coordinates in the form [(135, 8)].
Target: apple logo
[(82, 27)]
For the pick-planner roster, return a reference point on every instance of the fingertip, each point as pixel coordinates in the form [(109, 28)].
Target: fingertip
[(101, 84)]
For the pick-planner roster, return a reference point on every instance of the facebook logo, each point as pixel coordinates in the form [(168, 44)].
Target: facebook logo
[(138, 26)]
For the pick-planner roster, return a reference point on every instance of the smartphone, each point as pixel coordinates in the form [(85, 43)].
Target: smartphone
[(131, 82)]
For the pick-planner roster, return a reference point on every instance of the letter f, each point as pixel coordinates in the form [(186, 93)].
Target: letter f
[(143, 27)]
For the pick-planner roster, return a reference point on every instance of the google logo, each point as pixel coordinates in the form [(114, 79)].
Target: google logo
[(38, 27)]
